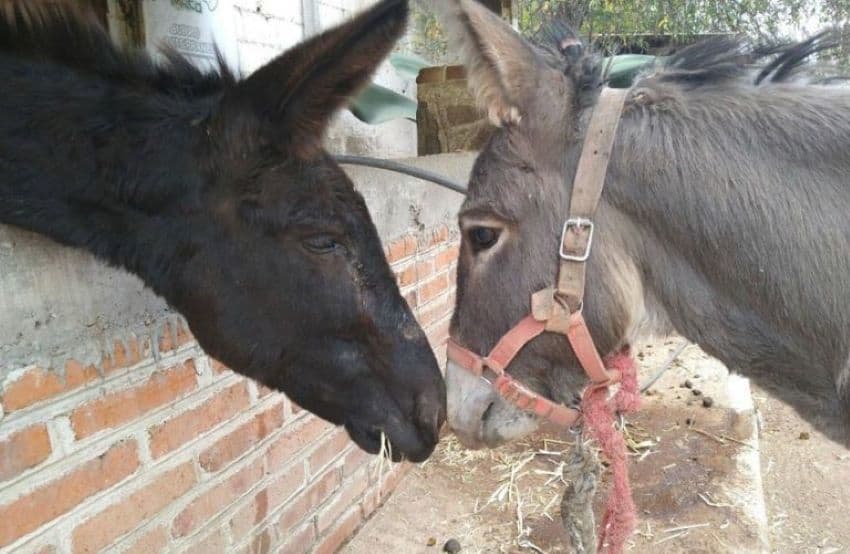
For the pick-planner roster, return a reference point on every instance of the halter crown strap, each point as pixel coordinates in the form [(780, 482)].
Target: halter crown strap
[(577, 235), (558, 309)]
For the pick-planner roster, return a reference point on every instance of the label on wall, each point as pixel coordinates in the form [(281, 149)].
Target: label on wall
[(192, 27)]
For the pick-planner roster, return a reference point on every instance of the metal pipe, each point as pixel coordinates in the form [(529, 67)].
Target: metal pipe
[(388, 165)]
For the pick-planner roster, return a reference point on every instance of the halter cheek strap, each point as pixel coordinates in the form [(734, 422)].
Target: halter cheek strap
[(559, 309)]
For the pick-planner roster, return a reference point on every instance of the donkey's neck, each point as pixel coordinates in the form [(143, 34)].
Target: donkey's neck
[(741, 203), (96, 165)]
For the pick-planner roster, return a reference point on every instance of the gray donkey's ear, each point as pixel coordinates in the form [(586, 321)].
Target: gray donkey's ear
[(502, 68)]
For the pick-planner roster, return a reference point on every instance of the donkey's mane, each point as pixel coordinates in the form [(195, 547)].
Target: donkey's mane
[(73, 37), (721, 59), (717, 60)]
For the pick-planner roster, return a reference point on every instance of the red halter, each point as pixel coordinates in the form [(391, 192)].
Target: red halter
[(558, 309)]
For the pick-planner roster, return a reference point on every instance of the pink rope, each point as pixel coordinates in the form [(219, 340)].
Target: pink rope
[(599, 412)]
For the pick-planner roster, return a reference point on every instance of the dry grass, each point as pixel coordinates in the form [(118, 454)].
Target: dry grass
[(530, 478)]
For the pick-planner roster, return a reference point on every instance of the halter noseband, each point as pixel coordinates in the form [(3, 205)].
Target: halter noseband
[(559, 309)]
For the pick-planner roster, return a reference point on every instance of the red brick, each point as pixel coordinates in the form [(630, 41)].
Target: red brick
[(249, 516), (401, 248), (181, 429), (120, 356), (330, 449), (263, 503), (155, 540), (124, 356), (354, 460), (166, 338), (38, 384), (433, 288), (302, 507), (239, 441), (51, 500), (33, 386), (410, 245), (263, 391), (213, 543), (375, 497), (22, 450), (174, 336), (439, 309), (101, 530), (343, 531), (406, 276), (424, 269), (395, 251), (391, 481), (286, 485), (440, 332), (217, 367), (262, 542), (184, 335), (415, 273), (348, 496), (438, 236), (77, 375), (410, 298), (300, 540), (371, 501), (446, 258), (266, 501), (122, 406), (213, 501), (294, 439)]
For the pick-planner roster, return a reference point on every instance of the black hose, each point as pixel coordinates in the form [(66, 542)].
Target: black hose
[(402, 168)]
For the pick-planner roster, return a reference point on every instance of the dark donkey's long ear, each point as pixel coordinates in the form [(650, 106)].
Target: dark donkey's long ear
[(295, 95), (502, 68)]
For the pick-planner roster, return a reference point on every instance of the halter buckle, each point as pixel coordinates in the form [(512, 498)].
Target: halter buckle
[(579, 224)]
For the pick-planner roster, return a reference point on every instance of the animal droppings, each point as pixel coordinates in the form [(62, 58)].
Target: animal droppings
[(431, 541), (707, 402), (804, 436), (452, 546), (697, 392), (688, 384)]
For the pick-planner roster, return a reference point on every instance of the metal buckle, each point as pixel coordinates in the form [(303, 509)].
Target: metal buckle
[(577, 223)]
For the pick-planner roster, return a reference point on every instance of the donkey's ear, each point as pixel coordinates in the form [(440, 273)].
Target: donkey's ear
[(295, 95), (502, 68)]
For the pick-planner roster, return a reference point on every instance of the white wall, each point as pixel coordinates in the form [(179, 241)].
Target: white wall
[(264, 29)]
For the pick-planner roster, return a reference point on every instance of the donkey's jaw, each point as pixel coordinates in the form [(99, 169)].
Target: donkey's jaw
[(480, 417)]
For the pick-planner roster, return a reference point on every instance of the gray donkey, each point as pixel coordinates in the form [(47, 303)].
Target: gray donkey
[(724, 217)]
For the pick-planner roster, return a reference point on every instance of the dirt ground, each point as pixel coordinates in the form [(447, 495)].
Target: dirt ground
[(806, 483), (507, 500)]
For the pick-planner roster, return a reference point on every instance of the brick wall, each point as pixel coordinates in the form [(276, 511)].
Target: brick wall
[(159, 448)]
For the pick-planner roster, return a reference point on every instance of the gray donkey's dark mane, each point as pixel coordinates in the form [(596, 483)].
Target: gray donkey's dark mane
[(714, 61), (722, 59), (73, 37)]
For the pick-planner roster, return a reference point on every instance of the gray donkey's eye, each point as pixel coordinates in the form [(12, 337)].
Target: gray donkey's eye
[(482, 238)]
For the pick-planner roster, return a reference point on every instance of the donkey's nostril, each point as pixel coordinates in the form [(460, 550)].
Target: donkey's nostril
[(486, 413)]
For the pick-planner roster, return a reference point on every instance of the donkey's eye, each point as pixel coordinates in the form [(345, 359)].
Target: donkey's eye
[(482, 238), (322, 244)]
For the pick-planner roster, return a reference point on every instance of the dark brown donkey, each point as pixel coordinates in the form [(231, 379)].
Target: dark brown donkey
[(724, 217), (218, 194)]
